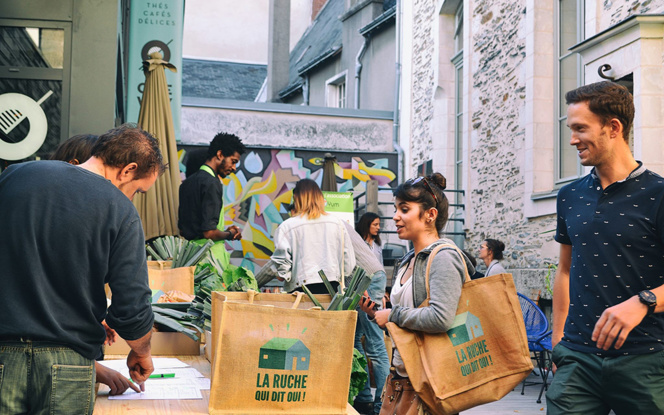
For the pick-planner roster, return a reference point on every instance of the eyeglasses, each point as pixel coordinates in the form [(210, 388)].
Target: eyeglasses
[(416, 180)]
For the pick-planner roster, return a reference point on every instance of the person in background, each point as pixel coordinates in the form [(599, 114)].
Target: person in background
[(368, 227), (201, 197), (421, 213), (374, 349), (473, 262), (76, 150), (67, 230), (608, 321), (195, 159), (491, 252), (311, 240)]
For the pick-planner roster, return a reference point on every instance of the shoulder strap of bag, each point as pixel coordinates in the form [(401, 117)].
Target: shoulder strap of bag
[(430, 260)]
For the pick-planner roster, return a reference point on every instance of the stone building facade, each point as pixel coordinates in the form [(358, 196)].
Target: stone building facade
[(482, 100)]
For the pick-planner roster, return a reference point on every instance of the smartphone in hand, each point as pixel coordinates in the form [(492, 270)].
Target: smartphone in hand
[(372, 303)]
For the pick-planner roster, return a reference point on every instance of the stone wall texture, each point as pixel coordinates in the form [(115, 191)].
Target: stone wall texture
[(615, 11), (423, 85), (495, 124), (289, 130)]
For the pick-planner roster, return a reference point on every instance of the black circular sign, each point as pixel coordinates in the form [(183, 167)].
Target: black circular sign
[(145, 52)]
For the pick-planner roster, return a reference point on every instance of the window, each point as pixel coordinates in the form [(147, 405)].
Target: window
[(457, 61), (458, 29), (33, 87), (569, 75), (336, 91)]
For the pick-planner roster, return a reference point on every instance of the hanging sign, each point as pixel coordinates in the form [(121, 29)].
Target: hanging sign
[(155, 26), (340, 204)]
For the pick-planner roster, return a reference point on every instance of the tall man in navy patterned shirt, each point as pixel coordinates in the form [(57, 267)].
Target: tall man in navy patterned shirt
[(608, 298)]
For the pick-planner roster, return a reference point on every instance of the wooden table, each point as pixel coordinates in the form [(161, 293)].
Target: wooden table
[(104, 406)]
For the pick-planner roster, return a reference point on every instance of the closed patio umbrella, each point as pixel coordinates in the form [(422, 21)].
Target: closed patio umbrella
[(158, 207), (329, 182)]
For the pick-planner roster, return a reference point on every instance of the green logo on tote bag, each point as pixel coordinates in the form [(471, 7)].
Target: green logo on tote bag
[(474, 356), (285, 362), (284, 354)]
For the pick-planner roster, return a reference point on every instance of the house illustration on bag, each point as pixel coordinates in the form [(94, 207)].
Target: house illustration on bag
[(284, 354), (465, 328)]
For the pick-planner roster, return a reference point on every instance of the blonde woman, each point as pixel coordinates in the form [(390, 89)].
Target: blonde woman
[(310, 241)]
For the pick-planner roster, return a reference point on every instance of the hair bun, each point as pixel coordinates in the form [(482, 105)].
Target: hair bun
[(439, 180)]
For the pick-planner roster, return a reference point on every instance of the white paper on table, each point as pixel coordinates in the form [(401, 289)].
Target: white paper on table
[(202, 383), (164, 389), (159, 364), (167, 362)]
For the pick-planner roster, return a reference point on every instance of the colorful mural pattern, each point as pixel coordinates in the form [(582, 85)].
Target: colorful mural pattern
[(257, 195)]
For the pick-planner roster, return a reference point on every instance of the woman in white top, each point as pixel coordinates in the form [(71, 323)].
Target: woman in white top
[(491, 251), (310, 241), (368, 227)]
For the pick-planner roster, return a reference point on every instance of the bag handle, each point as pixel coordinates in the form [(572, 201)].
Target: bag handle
[(250, 296), (430, 260), (298, 297)]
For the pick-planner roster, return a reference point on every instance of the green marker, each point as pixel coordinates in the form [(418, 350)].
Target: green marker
[(163, 375)]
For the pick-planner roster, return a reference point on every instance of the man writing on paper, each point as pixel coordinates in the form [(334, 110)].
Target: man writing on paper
[(66, 231), (608, 326), (200, 214)]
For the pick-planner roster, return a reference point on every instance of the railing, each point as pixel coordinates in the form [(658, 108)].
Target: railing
[(459, 208)]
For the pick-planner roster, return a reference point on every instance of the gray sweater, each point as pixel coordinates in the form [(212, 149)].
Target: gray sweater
[(447, 275)]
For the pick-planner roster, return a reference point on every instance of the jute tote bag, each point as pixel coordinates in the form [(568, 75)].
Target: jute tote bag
[(162, 277), (270, 359), (295, 300), (480, 359)]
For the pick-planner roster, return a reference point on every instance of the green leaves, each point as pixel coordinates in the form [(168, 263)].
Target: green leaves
[(350, 297), (176, 321), (239, 279), (358, 376), (184, 253)]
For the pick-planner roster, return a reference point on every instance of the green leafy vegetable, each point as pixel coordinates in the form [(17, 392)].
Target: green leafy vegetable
[(358, 376)]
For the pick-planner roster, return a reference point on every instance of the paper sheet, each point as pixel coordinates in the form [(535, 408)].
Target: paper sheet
[(164, 389), (161, 365), (186, 383)]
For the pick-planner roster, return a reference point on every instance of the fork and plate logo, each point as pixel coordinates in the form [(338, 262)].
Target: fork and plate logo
[(14, 109)]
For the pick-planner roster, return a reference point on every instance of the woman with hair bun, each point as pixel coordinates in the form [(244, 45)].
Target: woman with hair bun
[(421, 213), (491, 251)]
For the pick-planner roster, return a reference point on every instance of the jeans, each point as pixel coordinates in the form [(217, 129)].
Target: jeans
[(375, 344), (44, 378)]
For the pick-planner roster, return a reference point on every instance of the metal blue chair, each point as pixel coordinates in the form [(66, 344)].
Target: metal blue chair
[(539, 341)]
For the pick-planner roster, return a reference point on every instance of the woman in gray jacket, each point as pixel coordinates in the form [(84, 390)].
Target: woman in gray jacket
[(421, 213)]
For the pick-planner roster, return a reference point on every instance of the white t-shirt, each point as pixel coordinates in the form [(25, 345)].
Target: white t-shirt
[(402, 295)]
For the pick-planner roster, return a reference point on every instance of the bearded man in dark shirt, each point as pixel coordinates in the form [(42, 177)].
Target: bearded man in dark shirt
[(201, 196)]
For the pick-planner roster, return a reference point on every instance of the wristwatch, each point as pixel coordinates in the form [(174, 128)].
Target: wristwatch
[(648, 298)]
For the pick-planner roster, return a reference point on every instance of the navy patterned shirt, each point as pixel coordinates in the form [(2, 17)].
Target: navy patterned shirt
[(617, 238)]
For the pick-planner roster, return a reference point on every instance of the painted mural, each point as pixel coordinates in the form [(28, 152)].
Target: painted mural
[(256, 196)]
